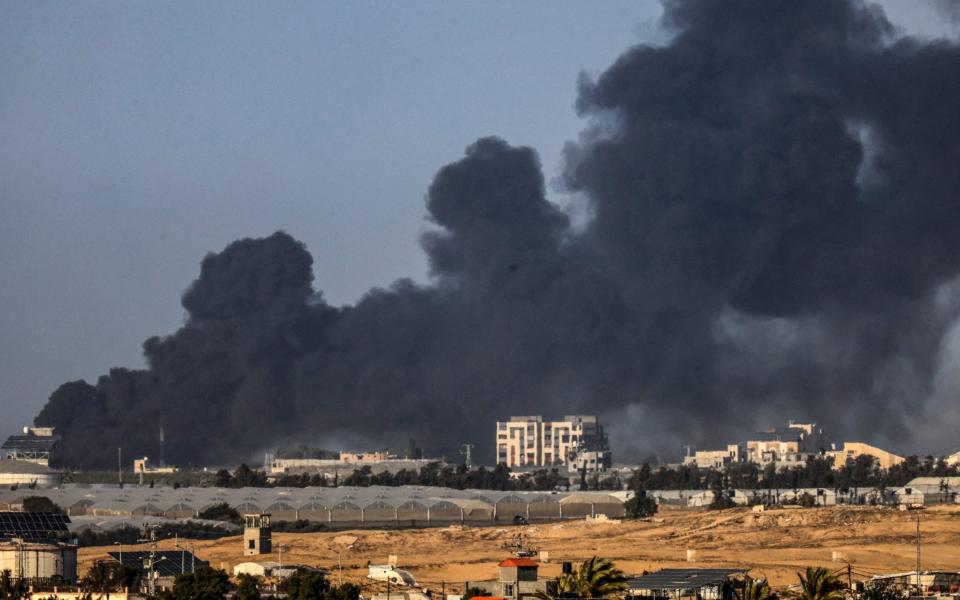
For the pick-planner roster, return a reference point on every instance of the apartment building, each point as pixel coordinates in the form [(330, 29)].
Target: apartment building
[(531, 441), (715, 459), (777, 443)]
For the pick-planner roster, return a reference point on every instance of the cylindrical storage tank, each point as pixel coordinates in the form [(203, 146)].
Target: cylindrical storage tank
[(32, 560)]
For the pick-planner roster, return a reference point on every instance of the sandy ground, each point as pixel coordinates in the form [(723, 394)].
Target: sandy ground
[(773, 544)]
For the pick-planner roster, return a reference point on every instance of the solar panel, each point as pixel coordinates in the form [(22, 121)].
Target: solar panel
[(685, 579), (169, 562), (33, 525)]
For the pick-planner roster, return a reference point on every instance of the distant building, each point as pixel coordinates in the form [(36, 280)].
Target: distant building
[(782, 447), (952, 459), (142, 466), (530, 441), (257, 534), (715, 459), (36, 445), (344, 464), (853, 450), (367, 457), (518, 580), (773, 445)]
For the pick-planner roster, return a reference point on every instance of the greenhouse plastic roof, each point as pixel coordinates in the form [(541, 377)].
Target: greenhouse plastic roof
[(139, 500)]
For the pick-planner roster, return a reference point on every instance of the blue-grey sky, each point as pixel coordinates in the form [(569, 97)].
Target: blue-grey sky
[(135, 137)]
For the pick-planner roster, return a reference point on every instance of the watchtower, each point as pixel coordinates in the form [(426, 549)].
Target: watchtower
[(257, 538)]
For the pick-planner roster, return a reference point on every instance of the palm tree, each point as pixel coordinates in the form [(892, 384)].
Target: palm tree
[(819, 584), (755, 589), (599, 578), (563, 586), (596, 578)]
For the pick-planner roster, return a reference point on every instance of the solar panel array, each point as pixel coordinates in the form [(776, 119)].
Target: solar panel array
[(33, 525), (169, 563), (682, 579)]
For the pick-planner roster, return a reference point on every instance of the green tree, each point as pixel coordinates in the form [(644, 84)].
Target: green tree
[(247, 588), (12, 589), (599, 578), (640, 506), (474, 591), (308, 586), (755, 589), (819, 584), (205, 583), (220, 512), (109, 576), (562, 586), (40, 504)]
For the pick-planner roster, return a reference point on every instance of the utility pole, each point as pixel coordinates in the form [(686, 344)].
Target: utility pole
[(120, 465), (150, 563), (919, 593)]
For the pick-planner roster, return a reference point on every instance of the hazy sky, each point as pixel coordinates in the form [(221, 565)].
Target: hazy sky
[(136, 137)]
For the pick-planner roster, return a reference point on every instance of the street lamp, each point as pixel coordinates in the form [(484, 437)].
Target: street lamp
[(121, 550)]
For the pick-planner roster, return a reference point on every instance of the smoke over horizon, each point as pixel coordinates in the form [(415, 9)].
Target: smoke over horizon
[(774, 233)]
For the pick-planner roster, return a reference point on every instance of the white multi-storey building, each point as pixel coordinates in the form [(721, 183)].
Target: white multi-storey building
[(533, 442)]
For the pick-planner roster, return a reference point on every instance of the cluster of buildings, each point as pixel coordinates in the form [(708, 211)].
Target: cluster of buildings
[(577, 443), (789, 446), (379, 461)]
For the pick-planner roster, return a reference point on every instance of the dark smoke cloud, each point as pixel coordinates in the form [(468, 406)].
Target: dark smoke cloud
[(775, 207)]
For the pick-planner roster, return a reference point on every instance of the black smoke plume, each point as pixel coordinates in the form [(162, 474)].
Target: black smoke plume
[(774, 232)]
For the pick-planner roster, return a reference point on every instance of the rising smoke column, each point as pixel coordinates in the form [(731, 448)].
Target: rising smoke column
[(775, 207)]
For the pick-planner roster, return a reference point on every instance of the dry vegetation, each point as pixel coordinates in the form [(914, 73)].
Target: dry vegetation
[(774, 544)]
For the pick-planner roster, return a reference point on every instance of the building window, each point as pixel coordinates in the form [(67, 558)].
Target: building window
[(252, 544)]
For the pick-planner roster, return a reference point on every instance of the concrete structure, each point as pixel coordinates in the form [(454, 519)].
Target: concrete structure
[(142, 466), (775, 444), (850, 451), (532, 442), (518, 580), (715, 459), (257, 535), (331, 467), (37, 445), (21, 472)]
